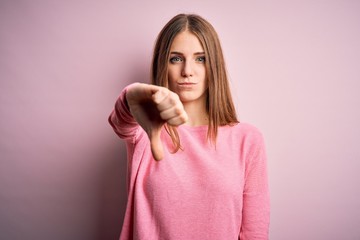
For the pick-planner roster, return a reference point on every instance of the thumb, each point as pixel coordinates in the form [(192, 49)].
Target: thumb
[(156, 144)]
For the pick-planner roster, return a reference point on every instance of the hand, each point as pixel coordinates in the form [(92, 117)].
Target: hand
[(153, 106)]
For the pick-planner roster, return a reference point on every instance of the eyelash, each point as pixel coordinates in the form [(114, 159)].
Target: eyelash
[(175, 59), (201, 59), (178, 59)]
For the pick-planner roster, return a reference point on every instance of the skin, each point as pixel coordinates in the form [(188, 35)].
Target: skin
[(187, 76), (153, 106), (185, 100)]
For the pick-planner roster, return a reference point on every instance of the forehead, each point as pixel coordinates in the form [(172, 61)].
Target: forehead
[(186, 42)]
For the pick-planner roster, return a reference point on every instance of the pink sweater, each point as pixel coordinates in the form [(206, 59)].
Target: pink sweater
[(200, 192)]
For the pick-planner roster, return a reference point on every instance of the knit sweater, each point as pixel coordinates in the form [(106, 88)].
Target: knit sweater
[(203, 191)]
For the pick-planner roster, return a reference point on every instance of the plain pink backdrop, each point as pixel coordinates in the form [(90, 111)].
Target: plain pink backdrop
[(295, 74)]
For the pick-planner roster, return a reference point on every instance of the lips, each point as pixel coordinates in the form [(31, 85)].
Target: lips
[(186, 83)]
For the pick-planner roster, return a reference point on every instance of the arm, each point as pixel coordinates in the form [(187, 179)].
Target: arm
[(256, 199), (150, 107), (121, 119)]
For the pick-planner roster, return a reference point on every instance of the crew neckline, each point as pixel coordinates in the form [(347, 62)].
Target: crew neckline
[(199, 127)]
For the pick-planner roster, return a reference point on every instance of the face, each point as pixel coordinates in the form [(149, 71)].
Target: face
[(186, 69)]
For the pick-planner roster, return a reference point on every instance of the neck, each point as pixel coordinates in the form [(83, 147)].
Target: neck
[(197, 114)]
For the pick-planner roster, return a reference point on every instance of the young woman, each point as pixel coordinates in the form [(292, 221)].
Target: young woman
[(211, 182)]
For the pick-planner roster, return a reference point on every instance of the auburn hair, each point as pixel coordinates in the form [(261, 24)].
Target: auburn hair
[(219, 104)]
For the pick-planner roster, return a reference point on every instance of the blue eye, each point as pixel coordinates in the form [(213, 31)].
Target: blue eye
[(175, 59), (200, 59)]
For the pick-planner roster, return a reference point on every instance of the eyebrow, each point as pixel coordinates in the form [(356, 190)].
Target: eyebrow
[(179, 53)]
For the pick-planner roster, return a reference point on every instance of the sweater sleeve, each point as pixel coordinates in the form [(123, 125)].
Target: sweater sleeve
[(121, 120), (256, 198)]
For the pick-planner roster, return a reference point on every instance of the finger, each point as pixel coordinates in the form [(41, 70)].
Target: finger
[(173, 112), (160, 94), (178, 120), (156, 145), (168, 100)]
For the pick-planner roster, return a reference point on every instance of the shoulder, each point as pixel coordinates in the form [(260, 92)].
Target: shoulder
[(245, 135), (251, 142), (247, 127), (246, 130)]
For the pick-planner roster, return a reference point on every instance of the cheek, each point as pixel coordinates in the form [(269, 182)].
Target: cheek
[(202, 72), (171, 79), (174, 73), (170, 75)]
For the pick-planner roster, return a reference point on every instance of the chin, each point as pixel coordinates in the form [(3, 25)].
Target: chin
[(187, 98)]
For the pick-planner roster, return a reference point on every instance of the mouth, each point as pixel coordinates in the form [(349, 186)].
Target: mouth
[(186, 83), (186, 86)]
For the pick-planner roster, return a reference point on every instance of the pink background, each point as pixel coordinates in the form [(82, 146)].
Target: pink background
[(295, 74)]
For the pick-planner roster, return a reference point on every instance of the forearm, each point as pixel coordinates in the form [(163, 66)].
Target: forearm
[(121, 119)]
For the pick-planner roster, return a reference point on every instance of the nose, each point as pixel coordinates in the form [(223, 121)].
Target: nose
[(187, 70)]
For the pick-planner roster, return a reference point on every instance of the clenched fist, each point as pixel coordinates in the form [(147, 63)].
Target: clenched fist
[(153, 106)]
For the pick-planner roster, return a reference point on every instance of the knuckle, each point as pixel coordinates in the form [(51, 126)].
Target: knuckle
[(165, 91), (172, 101), (174, 97), (184, 117), (162, 115), (178, 110), (161, 94), (171, 122)]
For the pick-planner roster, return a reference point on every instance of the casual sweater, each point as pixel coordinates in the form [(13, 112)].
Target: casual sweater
[(203, 191)]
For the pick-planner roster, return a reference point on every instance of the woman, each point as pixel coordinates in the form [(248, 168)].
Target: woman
[(211, 182)]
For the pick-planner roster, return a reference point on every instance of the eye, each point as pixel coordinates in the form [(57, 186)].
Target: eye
[(201, 59), (175, 59)]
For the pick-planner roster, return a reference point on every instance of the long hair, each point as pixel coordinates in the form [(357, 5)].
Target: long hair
[(219, 102)]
